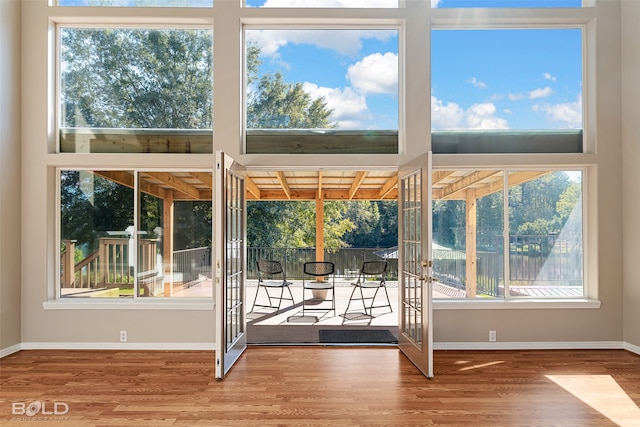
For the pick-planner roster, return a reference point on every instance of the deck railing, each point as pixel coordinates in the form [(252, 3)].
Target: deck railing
[(347, 260), (532, 260), (110, 265)]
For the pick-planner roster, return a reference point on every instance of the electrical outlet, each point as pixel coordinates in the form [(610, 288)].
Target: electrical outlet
[(123, 336), (492, 336)]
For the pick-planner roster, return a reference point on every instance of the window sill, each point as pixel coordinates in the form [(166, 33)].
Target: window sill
[(527, 304), (189, 304)]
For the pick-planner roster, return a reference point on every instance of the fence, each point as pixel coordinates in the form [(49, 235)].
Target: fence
[(532, 260), (192, 264), (347, 261)]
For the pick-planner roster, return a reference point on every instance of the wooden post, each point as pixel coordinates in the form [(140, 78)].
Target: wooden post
[(471, 232), (167, 242), (103, 272), (68, 264), (319, 227)]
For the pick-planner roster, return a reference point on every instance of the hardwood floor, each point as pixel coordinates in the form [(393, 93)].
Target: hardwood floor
[(337, 386)]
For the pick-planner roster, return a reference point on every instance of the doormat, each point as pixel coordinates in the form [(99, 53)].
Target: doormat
[(357, 336)]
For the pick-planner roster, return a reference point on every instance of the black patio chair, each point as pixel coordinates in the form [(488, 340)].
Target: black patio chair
[(267, 272), (373, 275), (318, 270)]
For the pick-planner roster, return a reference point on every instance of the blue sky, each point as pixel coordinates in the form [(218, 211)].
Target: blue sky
[(481, 79), (356, 71)]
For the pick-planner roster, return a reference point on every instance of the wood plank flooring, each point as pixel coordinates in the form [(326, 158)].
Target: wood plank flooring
[(315, 385)]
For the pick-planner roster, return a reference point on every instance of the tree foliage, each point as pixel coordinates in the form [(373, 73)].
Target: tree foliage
[(135, 78), (91, 206), (542, 206), (281, 105)]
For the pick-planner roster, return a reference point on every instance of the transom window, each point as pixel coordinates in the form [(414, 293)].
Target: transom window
[(136, 90), (334, 89)]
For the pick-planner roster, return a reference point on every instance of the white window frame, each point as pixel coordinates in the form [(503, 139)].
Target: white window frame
[(227, 15)]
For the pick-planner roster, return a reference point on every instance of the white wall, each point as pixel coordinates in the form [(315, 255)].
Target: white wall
[(631, 168), (10, 242), (83, 327)]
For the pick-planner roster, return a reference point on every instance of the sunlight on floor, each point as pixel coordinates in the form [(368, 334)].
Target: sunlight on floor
[(603, 394), (481, 365)]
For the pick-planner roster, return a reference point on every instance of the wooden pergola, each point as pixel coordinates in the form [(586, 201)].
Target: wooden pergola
[(460, 184)]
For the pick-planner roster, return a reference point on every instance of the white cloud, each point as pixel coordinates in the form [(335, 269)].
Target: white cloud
[(269, 42), (477, 83), (445, 116), (569, 113), (349, 108), (482, 116), (540, 93), (516, 96), (452, 116), (345, 42), (376, 73), (548, 76)]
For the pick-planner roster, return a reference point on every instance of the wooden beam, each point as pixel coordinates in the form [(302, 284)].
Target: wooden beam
[(252, 188), (176, 183), (205, 195), (283, 183), (438, 176), (465, 183), (205, 177), (369, 194), (154, 190), (356, 183), (521, 177), (389, 185), (121, 177)]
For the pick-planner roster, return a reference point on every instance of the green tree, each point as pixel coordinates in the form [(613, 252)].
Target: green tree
[(280, 105), (91, 206), (532, 205), (137, 78), (266, 228)]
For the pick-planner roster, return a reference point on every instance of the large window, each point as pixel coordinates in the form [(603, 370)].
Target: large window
[(544, 242), (501, 91), (136, 90), (301, 79), (109, 251), (334, 89)]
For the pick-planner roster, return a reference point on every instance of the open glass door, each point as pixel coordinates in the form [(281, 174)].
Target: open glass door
[(415, 338), (230, 259)]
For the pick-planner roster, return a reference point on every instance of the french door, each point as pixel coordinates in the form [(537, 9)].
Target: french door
[(415, 337), (230, 261)]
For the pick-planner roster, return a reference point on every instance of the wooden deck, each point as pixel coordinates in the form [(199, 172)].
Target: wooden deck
[(318, 386)]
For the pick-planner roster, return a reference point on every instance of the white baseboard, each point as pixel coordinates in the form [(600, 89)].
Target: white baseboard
[(115, 346), (10, 350), (632, 348), (582, 345), (577, 345)]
